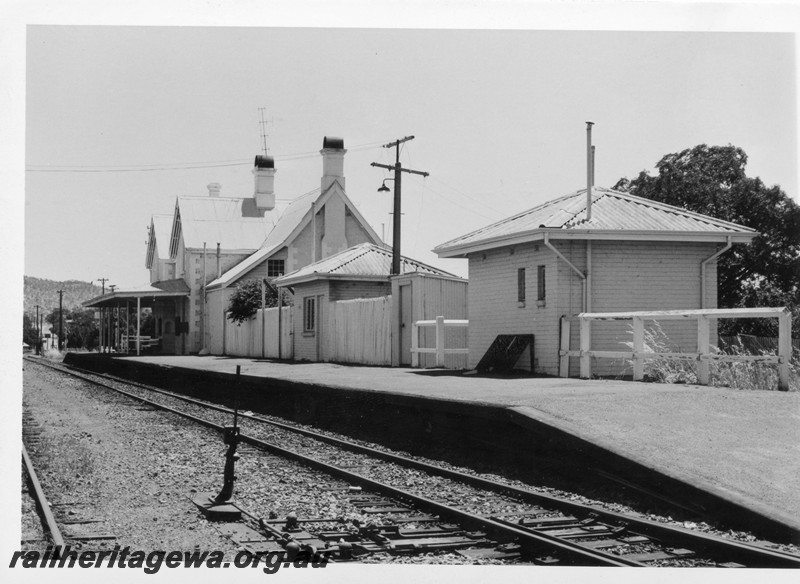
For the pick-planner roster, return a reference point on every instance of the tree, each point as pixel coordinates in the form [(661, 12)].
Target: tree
[(246, 300), (711, 180), (30, 334)]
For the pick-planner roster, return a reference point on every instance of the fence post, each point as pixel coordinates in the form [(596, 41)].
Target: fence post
[(440, 341), (586, 343), (784, 349), (414, 344), (702, 350), (563, 365), (638, 348)]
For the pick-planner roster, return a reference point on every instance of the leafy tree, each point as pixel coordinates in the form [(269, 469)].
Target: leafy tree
[(81, 329), (711, 180), (246, 300), (30, 333)]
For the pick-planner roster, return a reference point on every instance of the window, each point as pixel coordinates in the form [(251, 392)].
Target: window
[(274, 268), (542, 289), (309, 314), (521, 285)]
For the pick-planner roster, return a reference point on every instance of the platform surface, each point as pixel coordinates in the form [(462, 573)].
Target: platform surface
[(743, 444)]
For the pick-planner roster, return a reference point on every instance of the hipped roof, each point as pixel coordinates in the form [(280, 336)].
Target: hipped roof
[(365, 261), (211, 220), (615, 215), (146, 293)]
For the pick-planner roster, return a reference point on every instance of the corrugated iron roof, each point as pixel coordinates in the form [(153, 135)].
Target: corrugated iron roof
[(213, 220), (281, 228), (611, 211), (363, 260)]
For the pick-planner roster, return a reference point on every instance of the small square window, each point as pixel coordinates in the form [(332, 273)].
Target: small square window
[(275, 268)]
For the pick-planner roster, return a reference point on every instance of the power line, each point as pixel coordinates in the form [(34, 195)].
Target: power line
[(180, 165)]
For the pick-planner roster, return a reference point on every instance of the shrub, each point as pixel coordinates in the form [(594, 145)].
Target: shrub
[(746, 375)]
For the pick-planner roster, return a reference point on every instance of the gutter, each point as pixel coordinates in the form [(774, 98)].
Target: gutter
[(574, 269), (703, 265)]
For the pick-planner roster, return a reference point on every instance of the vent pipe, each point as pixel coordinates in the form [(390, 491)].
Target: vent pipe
[(589, 170)]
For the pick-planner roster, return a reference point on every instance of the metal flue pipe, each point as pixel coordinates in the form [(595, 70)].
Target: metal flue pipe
[(589, 170)]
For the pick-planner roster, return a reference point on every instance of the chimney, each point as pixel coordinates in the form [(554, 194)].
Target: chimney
[(264, 173), (213, 189), (332, 161)]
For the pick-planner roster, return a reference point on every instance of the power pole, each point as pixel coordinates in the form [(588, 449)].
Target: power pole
[(38, 331), (398, 170), (103, 280), (60, 318)]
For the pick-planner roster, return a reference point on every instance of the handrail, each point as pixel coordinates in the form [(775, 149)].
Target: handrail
[(440, 351), (703, 355)]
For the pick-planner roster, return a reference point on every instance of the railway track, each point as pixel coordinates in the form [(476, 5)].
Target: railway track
[(419, 506), (73, 523)]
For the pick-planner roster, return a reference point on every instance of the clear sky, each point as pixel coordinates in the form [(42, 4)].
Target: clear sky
[(498, 115)]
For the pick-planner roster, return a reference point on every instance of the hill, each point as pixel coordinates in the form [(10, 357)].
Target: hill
[(45, 293)]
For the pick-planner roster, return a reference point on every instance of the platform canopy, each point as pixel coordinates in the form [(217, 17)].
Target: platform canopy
[(147, 295)]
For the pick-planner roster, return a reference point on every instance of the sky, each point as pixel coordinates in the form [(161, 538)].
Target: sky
[(122, 119)]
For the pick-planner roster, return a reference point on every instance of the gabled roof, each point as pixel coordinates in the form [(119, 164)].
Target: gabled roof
[(293, 219), (162, 229), (213, 220), (615, 215), (365, 261), (160, 234)]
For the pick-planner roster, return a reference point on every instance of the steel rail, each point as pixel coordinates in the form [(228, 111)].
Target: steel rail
[(739, 551), (537, 540), (41, 501)]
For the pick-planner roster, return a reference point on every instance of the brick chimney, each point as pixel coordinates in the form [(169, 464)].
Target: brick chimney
[(264, 173), (213, 189), (334, 237), (332, 161)]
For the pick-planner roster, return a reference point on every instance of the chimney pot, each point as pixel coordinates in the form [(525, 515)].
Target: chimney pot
[(213, 189), (264, 187)]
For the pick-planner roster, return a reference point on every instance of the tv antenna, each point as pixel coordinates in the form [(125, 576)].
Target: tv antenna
[(263, 124)]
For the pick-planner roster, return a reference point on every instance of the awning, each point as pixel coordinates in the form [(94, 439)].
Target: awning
[(147, 294)]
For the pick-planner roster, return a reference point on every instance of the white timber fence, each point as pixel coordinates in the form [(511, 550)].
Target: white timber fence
[(703, 355), (439, 350), (258, 336), (360, 331)]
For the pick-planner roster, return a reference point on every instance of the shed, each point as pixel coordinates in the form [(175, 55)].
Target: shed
[(359, 273), (630, 254)]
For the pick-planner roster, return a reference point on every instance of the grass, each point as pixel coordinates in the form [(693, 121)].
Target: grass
[(744, 375)]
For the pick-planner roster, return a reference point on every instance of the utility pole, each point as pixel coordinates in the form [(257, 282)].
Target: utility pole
[(103, 280), (38, 331), (60, 318), (398, 170)]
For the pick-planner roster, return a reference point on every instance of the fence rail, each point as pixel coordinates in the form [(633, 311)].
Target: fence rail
[(439, 350), (703, 355)]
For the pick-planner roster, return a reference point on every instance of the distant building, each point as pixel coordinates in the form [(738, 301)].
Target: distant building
[(634, 254), (197, 255), (362, 272)]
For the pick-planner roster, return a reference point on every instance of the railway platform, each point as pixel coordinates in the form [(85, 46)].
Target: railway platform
[(737, 452)]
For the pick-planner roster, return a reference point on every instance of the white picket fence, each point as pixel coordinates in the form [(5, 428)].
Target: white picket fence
[(258, 336), (360, 331)]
